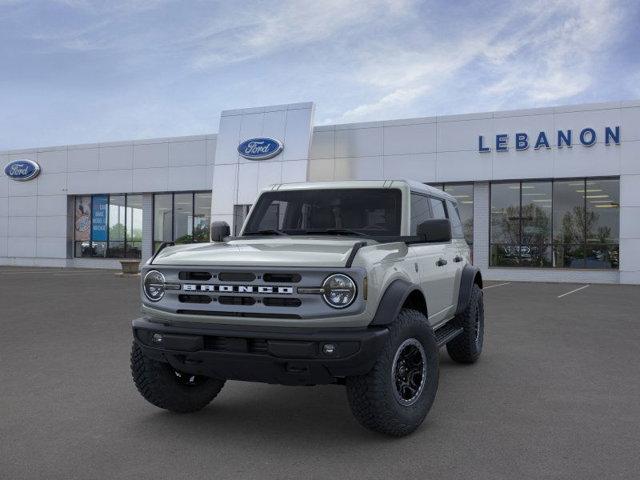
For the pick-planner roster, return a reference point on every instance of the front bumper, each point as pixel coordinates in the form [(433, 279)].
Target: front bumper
[(288, 356)]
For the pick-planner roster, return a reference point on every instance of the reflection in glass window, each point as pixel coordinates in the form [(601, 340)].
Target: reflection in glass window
[(201, 217), (183, 218), (240, 213), (117, 219), (108, 226), (463, 193), (373, 211), (162, 219), (569, 223), (454, 218), (420, 211), (505, 224), (563, 224), (535, 243), (82, 226), (437, 208), (603, 223), (134, 226)]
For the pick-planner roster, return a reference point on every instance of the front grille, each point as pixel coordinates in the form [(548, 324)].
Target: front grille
[(228, 300), (236, 276), (235, 344), (267, 293), (257, 345), (197, 276), (282, 302), (195, 299), (281, 277)]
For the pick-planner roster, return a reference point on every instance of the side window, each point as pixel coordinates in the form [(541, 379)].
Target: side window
[(420, 211), (456, 224), (437, 207)]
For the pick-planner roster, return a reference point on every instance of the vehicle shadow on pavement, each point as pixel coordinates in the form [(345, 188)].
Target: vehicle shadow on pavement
[(266, 410), (269, 411)]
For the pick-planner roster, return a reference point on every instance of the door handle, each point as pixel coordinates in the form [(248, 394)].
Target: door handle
[(457, 258), (441, 262)]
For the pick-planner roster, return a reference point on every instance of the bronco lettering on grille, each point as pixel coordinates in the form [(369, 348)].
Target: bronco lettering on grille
[(191, 287)]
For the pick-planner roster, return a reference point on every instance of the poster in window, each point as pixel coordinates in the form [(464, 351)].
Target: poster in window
[(83, 219), (99, 214)]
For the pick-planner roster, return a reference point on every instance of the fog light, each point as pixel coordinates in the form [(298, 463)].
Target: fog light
[(328, 349), (157, 338)]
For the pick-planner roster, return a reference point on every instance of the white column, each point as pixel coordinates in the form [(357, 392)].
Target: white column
[(236, 180), (629, 229)]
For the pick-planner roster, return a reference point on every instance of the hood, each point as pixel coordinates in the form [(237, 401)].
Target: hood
[(262, 252)]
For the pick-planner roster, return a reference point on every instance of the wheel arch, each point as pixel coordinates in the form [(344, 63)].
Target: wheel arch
[(398, 295), (470, 276)]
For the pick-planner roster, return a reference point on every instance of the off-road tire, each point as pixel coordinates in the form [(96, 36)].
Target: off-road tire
[(371, 396), (467, 347), (159, 384)]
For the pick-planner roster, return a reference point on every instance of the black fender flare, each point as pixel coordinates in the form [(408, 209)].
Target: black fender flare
[(467, 279), (392, 301)]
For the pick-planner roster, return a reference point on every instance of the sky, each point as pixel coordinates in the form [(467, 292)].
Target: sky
[(80, 71)]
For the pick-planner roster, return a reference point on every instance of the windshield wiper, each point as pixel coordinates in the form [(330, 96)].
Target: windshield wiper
[(266, 232), (336, 231)]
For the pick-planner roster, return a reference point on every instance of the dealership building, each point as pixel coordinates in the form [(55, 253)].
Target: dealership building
[(547, 194)]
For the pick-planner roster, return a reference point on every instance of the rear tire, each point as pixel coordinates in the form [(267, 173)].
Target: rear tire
[(167, 388), (396, 395), (467, 347)]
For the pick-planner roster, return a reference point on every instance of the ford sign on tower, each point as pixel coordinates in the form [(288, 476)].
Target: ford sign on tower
[(260, 148), (22, 170)]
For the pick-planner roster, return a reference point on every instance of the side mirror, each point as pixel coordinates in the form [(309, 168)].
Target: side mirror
[(435, 230), (219, 230)]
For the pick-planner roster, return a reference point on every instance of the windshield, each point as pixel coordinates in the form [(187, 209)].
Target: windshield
[(359, 211)]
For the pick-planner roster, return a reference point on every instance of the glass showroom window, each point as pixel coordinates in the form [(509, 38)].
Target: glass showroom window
[(134, 226), (505, 224), (108, 226), (586, 222), (181, 217), (564, 224)]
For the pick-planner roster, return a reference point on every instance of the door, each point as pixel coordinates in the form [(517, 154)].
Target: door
[(433, 260), (461, 249), (446, 264), (435, 281)]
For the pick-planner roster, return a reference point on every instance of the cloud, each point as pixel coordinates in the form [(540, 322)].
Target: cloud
[(261, 31), (407, 76), (125, 69), (555, 63), (541, 53)]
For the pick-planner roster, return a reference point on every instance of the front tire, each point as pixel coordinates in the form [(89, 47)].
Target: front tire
[(396, 395), (167, 388), (467, 347)]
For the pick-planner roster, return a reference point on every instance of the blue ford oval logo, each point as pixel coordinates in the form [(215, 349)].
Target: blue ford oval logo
[(260, 148), (22, 170)]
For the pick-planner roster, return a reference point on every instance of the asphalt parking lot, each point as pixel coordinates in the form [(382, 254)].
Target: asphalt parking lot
[(555, 395)]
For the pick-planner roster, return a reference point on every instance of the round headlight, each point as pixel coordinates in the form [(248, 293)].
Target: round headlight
[(339, 291), (153, 285)]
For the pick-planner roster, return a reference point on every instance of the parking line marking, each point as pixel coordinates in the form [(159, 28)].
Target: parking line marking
[(573, 291), (497, 285), (57, 273)]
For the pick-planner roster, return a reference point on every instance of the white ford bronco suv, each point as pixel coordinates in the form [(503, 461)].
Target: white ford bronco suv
[(353, 283)]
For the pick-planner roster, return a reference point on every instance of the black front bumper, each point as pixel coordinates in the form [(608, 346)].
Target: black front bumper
[(283, 356)]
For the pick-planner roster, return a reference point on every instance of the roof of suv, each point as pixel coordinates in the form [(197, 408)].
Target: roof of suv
[(409, 184)]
